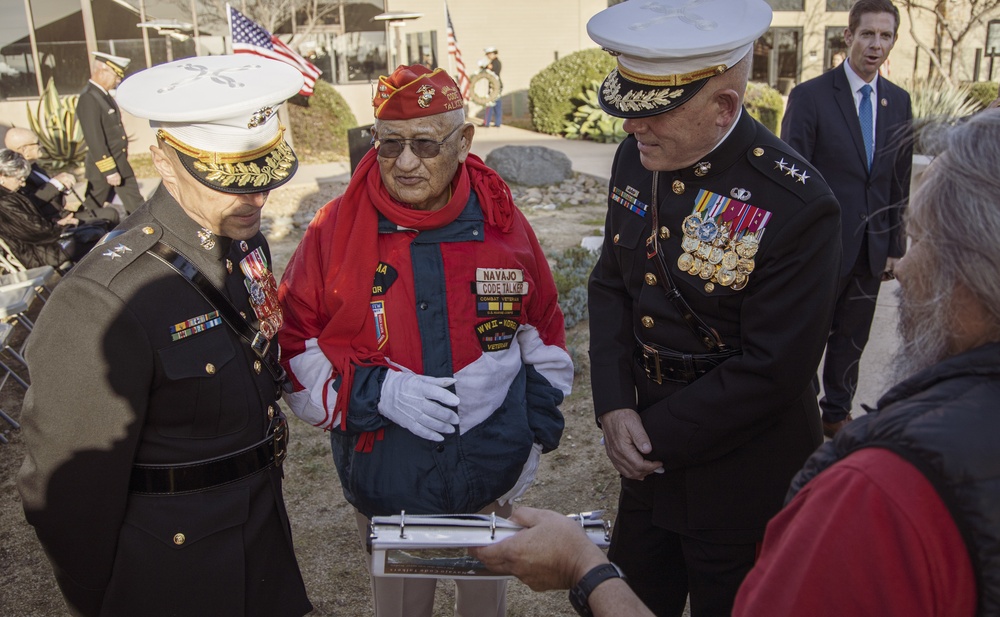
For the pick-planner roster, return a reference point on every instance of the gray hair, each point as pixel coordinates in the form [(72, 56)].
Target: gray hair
[(13, 165), (954, 211)]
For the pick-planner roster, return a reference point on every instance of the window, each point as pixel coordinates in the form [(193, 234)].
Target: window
[(835, 49), (838, 5), (777, 58), (17, 67)]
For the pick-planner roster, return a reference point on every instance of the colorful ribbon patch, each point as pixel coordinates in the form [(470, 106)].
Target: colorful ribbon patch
[(630, 199), (194, 325)]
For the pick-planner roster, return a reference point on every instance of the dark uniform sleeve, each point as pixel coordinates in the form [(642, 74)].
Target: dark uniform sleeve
[(91, 370)]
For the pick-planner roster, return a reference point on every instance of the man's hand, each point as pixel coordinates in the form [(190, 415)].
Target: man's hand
[(626, 442), (552, 552), (65, 179), (114, 179), (889, 272), (67, 220)]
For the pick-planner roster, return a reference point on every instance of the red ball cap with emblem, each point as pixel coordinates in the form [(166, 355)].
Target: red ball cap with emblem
[(414, 92)]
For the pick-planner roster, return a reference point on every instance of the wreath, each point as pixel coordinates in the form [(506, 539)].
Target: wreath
[(492, 87)]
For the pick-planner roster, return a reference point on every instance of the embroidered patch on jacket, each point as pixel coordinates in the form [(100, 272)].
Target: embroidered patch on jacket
[(496, 334), (500, 282), (721, 238), (263, 290), (381, 331), (630, 199), (194, 325), (385, 276), (498, 306)]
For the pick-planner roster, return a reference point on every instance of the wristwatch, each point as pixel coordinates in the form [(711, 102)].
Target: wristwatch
[(579, 595)]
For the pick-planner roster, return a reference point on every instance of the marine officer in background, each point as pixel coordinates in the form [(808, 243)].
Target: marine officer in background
[(709, 304), (153, 432)]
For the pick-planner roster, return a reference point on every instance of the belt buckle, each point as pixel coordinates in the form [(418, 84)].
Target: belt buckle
[(260, 344), (280, 441), (646, 352)]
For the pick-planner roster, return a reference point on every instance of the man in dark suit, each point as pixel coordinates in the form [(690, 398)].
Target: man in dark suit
[(48, 191), (854, 126), (153, 432), (107, 166), (709, 305)]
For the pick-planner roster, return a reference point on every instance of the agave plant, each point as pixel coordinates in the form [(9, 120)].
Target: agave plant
[(936, 98), (590, 121), (54, 122)]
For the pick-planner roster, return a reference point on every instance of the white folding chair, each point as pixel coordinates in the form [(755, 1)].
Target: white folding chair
[(6, 330), (42, 279)]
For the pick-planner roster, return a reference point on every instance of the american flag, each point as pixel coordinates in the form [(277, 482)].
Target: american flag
[(456, 53), (250, 38)]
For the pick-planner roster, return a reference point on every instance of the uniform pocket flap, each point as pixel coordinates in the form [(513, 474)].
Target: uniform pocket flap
[(198, 356), (182, 520)]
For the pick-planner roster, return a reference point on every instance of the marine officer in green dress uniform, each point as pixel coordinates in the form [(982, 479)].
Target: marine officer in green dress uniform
[(153, 431), (709, 305)]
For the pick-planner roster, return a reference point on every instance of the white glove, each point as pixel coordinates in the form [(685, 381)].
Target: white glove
[(419, 403), (527, 475)]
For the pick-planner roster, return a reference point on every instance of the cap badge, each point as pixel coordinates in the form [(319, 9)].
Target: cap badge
[(637, 100), (702, 168), (673, 12), (426, 95), (206, 238), (260, 116)]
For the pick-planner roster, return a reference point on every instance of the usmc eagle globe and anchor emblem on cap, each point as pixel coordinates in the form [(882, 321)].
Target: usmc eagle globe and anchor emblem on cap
[(668, 49)]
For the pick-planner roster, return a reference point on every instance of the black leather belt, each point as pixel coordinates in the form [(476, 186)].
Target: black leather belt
[(662, 364), (202, 475)]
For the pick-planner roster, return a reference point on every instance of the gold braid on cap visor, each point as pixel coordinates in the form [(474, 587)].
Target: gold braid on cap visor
[(219, 157), (671, 80)]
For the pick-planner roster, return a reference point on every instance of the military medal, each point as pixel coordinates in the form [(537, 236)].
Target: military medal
[(721, 239), (263, 291)]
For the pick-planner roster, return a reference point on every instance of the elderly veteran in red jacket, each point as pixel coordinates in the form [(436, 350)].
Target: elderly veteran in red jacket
[(421, 329)]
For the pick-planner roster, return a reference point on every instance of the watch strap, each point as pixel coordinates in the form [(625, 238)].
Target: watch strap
[(579, 595)]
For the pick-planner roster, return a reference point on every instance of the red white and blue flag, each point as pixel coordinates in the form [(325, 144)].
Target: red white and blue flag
[(456, 54), (250, 38)]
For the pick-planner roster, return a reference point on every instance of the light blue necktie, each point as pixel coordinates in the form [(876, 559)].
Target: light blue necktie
[(867, 126)]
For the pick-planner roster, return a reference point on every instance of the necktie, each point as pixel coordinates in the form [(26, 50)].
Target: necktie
[(867, 126)]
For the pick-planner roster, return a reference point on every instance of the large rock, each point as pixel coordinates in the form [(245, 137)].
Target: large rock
[(530, 165)]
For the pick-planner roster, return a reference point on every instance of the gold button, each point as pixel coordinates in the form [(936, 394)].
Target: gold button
[(270, 412), (650, 278), (709, 287), (257, 366), (147, 230), (616, 238), (664, 233), (758, 152), (678, 187), (179, 539), (210, 368), (647, 321), (229, 266)]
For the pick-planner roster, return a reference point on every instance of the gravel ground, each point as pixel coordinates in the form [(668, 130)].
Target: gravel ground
[(575, 477)]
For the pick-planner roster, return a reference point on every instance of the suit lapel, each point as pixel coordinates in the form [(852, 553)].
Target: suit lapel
[(845, 100)]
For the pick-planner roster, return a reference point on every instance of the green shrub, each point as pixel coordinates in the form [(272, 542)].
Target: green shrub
[(571, 273), (982, 93), (59, 133), (936, 98), (551, 91), (765, 104), (319, 131), (590, 122)]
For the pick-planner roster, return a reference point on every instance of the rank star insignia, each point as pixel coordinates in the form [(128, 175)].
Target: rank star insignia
[(111, 253), (792, 171), (782, 165), (121, 249), (802, 177)]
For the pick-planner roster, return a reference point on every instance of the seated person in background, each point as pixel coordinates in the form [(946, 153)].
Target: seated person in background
[(47, 191), (34, 240)]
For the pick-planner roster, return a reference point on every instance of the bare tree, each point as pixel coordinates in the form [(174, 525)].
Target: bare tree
[(953, 22), (271, 14)]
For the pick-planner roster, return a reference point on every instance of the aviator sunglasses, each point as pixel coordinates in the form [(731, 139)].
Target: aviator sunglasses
[(423, 148)]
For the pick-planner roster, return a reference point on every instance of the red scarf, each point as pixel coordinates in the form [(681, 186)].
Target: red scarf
[(349, 338)]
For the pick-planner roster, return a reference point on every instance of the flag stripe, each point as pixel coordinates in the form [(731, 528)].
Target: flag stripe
[(456, 53), (250, 38)]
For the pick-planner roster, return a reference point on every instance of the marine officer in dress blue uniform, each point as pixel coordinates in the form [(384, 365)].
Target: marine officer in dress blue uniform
[(152, 425), (709, 305)]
